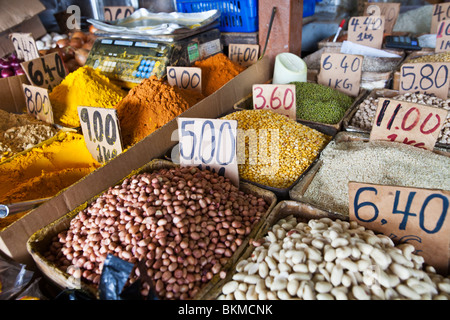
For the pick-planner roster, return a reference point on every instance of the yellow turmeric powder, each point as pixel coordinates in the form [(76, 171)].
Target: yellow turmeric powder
[(83, 87)]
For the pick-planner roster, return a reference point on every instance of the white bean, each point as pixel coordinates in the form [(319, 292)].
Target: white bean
[(300, 267), (336, 275), (293, 286), (359, 293), (323, 287), (407, 292), (230, 287)]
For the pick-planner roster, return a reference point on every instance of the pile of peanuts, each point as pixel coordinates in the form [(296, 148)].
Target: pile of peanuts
[(366, 112), (183, 223), (324, 259)]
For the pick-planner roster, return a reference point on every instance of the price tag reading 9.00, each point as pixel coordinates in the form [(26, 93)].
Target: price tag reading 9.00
[(101, 131), (209, 144), (38, 103), (341, 72), (367, 31), (45, 72), (25, 46), (409, 123), (429, 78), (405, 214), (185, 77), (440, 13), (279, 98)]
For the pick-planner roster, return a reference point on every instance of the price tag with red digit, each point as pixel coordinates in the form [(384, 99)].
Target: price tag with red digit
[(409, 123), (413, 215), (341, 72), (185, 77), (366, 30), (209, 144), (440, 13), (112, 13), (429, 78), (244, 54), (443, 37), (389, 10), (45, 72), (101, 131), (38, 103), (279, 98), (25, 46)]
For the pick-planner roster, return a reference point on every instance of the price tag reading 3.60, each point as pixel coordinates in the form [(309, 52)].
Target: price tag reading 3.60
[(279, 98), (209, 144), (45, 72)]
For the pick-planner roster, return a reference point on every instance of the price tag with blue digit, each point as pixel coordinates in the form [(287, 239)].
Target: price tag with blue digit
[(429, 78), (440, 12), (101, 131), (45, 72), (38, 103), (25, 46), (209, 144), (413, 215), (366, 30), (443, 37), (185, 77)]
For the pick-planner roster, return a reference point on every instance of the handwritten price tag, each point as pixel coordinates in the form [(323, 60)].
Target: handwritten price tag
[(209, 144), (389, 10), (409, 123), (185, 77), (45, 72), (367, 31), (101, 131), (25, 46), (112, 13), (279, 98), (244, 54), (440, 13), (413, 215), (38, 103), (443, 37), (430, 78), (341, 72)]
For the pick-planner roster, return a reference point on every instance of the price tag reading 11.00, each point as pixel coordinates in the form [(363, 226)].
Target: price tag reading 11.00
[(209, 144), (45, 72), (405, 214), (279, 98), (101, 131), (38, 103), (409, 123)]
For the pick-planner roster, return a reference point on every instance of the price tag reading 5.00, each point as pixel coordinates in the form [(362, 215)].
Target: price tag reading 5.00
[(101, 131), (279, 98), (414, 215), (209, 144), (45, 72)]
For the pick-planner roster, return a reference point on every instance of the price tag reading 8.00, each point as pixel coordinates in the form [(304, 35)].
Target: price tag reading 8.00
[(38, 103), (341, 72), (405, 214), (279, 98), (367, 31), (45, 72), (429, 78), (440, 13), (409, 123), (101, 131), (25, 46), (209, 144), (185, 77)]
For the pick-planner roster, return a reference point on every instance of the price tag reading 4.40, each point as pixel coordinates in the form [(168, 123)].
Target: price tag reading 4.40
[(45, 72), (405, 214), (443, 37), (209, 144), (409, 123), (341, 72), (429, 78), (244, 54), (440, 13), (390, 12), (101, 131), (25, 46), (279, 98), (38, 103), (367, 31), (185, 77)]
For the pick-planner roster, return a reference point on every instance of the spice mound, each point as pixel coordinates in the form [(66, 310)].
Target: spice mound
[(182, 224), (149, 106), (83, 87), (217, 70), (319, 103), (19, 132), (274, 150)]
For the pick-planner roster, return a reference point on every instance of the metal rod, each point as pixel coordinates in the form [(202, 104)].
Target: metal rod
[(13, 208), (268, 31)]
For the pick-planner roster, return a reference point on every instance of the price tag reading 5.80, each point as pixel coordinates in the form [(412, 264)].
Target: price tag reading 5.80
[(209, 144), (279, 98), (101, 132)]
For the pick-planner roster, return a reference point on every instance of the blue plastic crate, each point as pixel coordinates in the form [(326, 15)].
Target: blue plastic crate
[(235, 15), (309, 7)]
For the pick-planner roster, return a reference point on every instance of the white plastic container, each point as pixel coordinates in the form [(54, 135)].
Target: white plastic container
[(289, 67)]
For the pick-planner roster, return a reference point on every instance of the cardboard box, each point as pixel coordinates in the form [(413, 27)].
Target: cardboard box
[(11, 91), (13, 239)]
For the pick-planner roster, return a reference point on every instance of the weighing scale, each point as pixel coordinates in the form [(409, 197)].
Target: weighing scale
[(127, 61)]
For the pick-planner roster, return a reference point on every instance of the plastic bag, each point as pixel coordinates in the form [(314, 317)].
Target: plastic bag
[(32, 292), (13, 278)]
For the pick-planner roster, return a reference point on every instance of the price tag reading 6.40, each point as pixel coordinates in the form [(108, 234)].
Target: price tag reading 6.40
[(101, 131), (209, 144), (405, 214), (38, 103), (45, 72), (279, 98)]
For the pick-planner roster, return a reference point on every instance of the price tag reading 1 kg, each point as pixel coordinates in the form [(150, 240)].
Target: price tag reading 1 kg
[(367, 31), (430, 78), (341, 72), (209, 144), (38, 103), (244, 54), (101, 131), (443, 37), (409, 123), (405, 214), (25, 46), (279, 98), (45, 72), (185, 77), (440, 13)]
